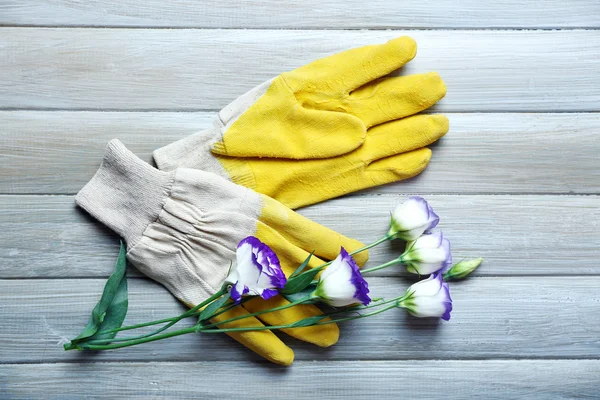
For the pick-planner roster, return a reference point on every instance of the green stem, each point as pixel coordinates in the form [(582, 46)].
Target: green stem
[(283, 307), (370, 314), (92, 346), (375, 243), (172, 321), (97, 345), (232, 305), (382, 266), (263, 328), (126, 328)]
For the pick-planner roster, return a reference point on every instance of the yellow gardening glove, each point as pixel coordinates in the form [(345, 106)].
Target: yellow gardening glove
[(182, 229), (332, 127)]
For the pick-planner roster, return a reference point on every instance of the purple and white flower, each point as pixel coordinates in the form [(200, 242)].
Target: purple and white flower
[(411, 218), (428, 253), (257, 271), (342, 284), (428, 298)]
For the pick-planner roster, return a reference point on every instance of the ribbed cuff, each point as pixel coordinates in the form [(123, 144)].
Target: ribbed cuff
[(126, 194)]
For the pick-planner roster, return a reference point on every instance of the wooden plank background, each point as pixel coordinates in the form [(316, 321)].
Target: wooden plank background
[(516, 181), (186, 69)]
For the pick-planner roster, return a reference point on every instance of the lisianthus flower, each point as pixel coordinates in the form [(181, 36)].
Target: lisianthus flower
[(429, 298), (342, 284), (257, 271), (428, 253), (411, 218)]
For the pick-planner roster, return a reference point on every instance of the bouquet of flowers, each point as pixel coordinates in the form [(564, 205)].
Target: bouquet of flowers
[(339, 284)]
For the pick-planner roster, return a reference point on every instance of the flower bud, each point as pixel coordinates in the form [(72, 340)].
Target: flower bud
[(428, 298), (342, 284), (427, 254), (411, 218), (257, 271), (462, 269)]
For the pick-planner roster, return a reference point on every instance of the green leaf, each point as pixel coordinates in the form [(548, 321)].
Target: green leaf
[(306, 292), (300, 282), (110, 311), (213, 307), (115, 314), (308, 321), (302, 266)]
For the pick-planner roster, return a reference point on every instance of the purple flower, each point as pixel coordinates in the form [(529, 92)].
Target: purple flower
[(342, 284), (257, 271), (429, 298), (411, 218), (426, 254)]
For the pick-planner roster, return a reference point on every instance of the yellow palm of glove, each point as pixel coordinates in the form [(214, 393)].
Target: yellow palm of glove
[(325, 108)]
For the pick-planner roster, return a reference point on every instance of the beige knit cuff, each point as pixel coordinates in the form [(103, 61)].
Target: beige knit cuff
[(126, 194)]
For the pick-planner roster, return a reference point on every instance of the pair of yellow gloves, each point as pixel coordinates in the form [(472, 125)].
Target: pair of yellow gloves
[(332, 127), (329, 128)]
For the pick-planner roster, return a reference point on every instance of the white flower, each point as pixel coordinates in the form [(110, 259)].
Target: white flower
[(428, 253), (342, 284), (411, 218), (257, 271), (429, 298)]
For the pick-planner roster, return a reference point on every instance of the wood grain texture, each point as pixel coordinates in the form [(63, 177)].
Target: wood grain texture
[(297, 14), (495, 318), (453, 380), (58, 152), (144, 69), (518, 184), (47, 236)]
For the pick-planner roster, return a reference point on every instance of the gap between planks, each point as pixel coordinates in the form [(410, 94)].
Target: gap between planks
[(493, 318)]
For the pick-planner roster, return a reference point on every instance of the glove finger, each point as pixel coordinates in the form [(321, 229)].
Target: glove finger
[(264, 343), (290, 257), (348, 70), (307, 235), (394, 168), (333, 177), (389, 99), (401, 136), (321, 335)]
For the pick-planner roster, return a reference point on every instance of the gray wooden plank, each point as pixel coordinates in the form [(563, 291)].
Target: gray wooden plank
[(47, 236), (495, 318), (58, 152), (489, 379), (296, 14), (163, 69)]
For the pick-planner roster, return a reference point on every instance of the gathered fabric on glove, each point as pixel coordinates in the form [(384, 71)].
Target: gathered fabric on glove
[(331, 127), (182, 229)]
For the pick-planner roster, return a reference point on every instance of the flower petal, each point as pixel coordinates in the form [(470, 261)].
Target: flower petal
[(427, 287), (429, 298), (411, 214), (257, 270), (428, 241), (342, 283), (411, 218)]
